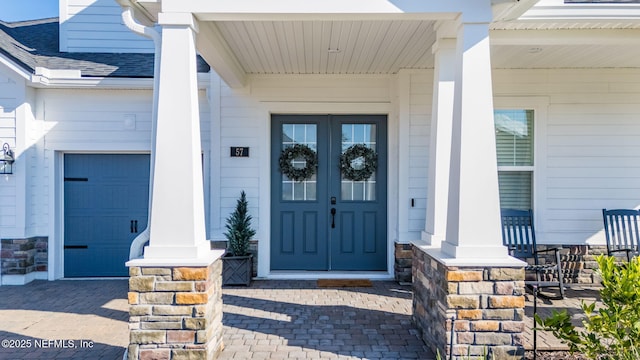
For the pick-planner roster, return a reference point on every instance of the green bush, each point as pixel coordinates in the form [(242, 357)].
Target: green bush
[(612, 331), (239, 231)]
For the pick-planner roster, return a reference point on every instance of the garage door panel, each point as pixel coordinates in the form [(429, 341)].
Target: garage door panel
[(106, 205)]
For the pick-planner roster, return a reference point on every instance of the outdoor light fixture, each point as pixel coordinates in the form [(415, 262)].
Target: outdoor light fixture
[(7, 160)]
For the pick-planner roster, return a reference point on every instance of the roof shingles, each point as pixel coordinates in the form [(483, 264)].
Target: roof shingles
[(35, 43)]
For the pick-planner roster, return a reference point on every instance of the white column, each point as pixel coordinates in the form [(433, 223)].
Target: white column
[(444, 51), (473, 221), (177, 224)]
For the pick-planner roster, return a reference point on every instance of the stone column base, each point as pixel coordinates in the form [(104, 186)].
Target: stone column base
[(483, 304), (402, 262), (175, 311)]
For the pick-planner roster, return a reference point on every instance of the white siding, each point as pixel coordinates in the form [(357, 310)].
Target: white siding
[(241, 124), (96, 26), (92, 120), (591, 159), (89, 121), (36, 177), (421, 95), (11, 207), (245, 121), (587, 158)]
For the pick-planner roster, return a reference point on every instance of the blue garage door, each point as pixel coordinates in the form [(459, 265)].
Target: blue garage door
[(105, 208)]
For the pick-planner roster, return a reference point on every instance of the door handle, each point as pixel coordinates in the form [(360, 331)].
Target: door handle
[(333, 218), (133, 228)]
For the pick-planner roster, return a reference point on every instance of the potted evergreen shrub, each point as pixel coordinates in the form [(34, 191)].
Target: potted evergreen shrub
[(237, 262)]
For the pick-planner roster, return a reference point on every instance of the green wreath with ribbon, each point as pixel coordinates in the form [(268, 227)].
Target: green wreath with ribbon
[(358, 162), (298, 152)]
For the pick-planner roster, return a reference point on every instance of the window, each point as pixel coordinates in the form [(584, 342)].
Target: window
[(514, 144)]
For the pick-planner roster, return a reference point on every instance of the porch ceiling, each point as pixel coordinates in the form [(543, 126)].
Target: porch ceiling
[(387, 46), (329, 47), (245, 45)]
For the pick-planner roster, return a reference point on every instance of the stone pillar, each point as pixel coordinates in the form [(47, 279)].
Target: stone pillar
[(473, 218), (483, 304), (440, 146), (175, 312)]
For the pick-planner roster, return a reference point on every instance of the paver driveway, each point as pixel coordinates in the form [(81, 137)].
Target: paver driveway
[(268, 320), (95, 311)]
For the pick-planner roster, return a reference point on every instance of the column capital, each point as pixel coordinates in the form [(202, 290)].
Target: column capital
[(178, 19), (446, 28)]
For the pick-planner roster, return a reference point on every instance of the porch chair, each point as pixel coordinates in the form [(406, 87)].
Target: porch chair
[(519, 236), (621, 231)]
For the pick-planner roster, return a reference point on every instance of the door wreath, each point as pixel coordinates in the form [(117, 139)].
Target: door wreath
[(358, 162), (297, 152)]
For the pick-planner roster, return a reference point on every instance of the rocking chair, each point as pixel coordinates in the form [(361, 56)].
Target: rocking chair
[(519, 236), (621, 231)]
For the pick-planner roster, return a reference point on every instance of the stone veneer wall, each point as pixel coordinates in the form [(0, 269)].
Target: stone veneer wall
[(486, 305), (175, 312), (402, 262), (23, 256), (578, 262)]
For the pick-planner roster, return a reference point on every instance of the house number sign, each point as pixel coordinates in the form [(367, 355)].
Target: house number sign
[(239, 151)]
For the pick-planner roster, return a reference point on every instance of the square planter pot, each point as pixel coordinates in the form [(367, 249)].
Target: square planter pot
[(236, 270)]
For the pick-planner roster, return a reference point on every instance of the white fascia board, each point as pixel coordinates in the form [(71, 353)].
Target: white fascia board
[(57, 73), (629, 37), (15, 67), (92, 82), (511, 10), (253, 10), (104, 82), (557, 10)]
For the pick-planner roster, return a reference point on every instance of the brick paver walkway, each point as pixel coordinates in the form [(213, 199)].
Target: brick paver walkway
[(268, 320), (295, 319), (571, 303)]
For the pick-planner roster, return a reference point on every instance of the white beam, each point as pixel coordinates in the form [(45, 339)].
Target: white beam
[(629, 37), (273, 10), (215, 50), (557, 10)]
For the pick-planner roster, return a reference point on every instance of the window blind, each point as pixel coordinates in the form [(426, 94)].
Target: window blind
[(514, 137), (514, 146)]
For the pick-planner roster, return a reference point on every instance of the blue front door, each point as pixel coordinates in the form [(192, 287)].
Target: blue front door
[(105, 208), (332, 220)]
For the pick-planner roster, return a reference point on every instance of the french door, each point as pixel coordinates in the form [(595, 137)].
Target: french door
[(336, 217)]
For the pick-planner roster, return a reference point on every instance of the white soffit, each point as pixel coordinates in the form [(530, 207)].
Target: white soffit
[(329, 47), (551, 34)]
